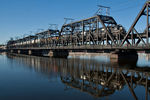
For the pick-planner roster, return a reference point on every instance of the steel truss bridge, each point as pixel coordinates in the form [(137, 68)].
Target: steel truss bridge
[(96, 78), (100, 32)]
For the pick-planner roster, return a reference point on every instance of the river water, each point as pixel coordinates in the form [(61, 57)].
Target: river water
[(82, 77)]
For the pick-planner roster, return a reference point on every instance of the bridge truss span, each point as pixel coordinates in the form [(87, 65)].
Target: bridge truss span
[(100, 31), (133, 36)]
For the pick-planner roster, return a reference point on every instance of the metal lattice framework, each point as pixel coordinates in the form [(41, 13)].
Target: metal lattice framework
[(95, 30), (133, 34), (98, 32)]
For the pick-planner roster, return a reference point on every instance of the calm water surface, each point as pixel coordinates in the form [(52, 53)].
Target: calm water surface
[(75, 78)]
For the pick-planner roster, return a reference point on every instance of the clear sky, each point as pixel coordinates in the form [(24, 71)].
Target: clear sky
[(19, 17)]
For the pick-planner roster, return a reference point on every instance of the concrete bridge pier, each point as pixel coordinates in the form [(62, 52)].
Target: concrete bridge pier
[(58, 53), (29, 52), (11, 51), (19, 51), (124, 55)]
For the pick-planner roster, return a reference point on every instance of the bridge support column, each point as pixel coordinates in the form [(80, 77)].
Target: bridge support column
[(19, 51), (50, 54), (124, 54), (11, 51), (30, 52), (58, 54)]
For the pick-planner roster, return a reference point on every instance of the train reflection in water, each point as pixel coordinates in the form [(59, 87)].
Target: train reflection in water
[(91, 76)]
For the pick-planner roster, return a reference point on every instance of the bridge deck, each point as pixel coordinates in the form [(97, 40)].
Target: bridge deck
[(85, 47)]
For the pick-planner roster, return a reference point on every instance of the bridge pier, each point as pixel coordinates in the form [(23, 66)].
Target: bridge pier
[(11, 51), (14, 51), (19, 51), (29, 52), (124, 55), (58, 54), (49, 53)]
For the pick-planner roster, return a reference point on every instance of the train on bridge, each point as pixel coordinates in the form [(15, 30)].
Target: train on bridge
[(74, 34), (97, 33)]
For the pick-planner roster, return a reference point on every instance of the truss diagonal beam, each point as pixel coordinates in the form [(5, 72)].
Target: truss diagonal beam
[(106, 29), (130, 88), (139, 36), (135, 22)]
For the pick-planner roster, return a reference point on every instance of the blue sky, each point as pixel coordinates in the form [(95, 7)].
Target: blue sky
[(19, 17)]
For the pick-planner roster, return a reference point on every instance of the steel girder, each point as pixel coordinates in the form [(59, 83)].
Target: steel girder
[(133, 34), (98, 30), (95, 31)]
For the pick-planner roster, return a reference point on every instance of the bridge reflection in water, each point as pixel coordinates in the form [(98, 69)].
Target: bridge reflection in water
[(92, 76)]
